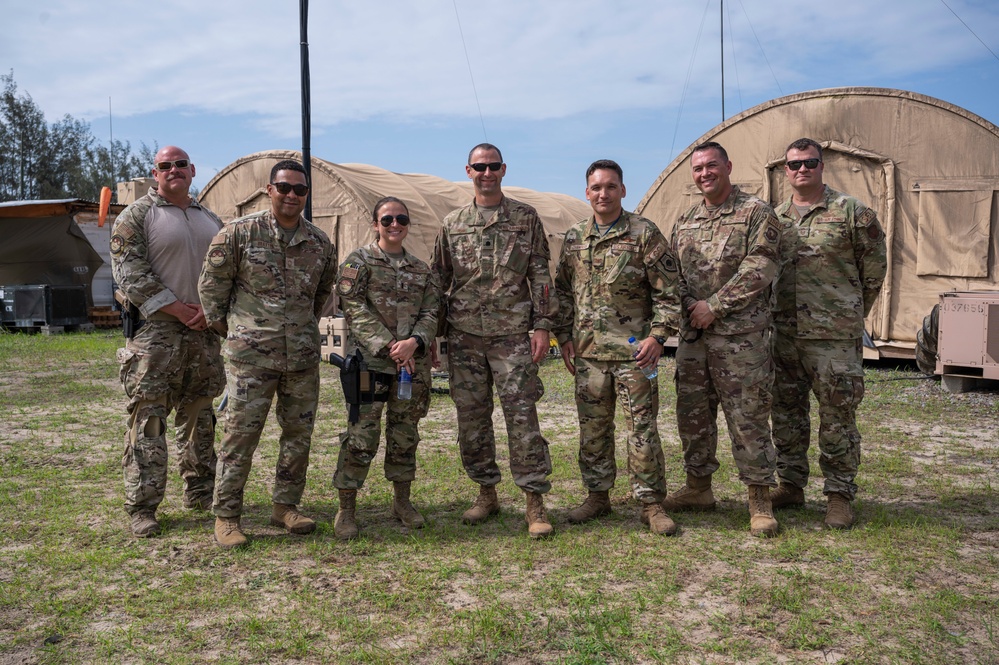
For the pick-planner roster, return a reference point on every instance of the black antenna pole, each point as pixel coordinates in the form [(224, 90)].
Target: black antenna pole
[(303, 13), (721, 7), (111, 141)]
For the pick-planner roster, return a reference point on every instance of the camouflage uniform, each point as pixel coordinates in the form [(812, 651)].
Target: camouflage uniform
[(498, 287), (384, 303), (728, 257), (831, 275), (267, 294), (167, 365), (611, 287)]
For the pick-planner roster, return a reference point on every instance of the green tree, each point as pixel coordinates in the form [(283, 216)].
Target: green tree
[(64, 160)]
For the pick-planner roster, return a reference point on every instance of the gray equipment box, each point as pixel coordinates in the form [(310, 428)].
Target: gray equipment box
[(41, 305)]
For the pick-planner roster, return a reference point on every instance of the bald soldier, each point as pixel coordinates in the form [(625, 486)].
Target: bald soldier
[(172, 363), (832, 271)]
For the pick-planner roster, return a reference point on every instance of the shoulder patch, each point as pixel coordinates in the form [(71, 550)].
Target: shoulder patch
[(117, 244), (126, 232), (349, 271), (217, 256), (345, 286), (772, 234)]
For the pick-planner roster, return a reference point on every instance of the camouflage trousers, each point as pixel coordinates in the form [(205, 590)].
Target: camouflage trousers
[(165, 367), (251, 391), (475, 363), (737, 372), (834, 369), (598, 385), (359, 443)]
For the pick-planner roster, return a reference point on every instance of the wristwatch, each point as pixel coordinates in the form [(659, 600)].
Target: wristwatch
[(660, 339)]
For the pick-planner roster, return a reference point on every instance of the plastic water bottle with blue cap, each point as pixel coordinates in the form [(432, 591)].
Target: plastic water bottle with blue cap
[(649, 372), (405, 390)]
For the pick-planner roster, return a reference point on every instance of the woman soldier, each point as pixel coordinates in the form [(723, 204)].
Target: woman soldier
[(390, 301)]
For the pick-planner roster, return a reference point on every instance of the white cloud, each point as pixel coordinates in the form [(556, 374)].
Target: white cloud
[(399, 59)]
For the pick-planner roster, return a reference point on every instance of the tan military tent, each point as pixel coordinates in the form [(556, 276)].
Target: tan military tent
[(930, 169), (343, 195)]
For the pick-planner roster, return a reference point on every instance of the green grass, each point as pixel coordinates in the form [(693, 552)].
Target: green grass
[(913, 582)]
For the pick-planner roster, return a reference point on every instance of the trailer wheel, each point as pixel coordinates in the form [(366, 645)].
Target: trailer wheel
[(926, 342)]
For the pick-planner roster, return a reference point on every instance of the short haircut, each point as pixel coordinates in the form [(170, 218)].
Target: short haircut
[(382, 201), (484, 146), (608, 164), (711, 145), (289, 165), (803, 144)]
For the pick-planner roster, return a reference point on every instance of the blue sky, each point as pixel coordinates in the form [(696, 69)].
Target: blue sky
[(559, 82)]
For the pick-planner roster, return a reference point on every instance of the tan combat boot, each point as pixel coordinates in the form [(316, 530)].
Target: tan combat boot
[(839, 512), (695, 495), (344, 526), (657, 520), (286, 516), (486, 504), (595, 505), (538, 525), (787, 496), (228, 533), (144, 524), (761, 514), (403, 509)]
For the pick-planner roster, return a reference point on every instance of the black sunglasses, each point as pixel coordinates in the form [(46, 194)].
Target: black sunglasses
[(285, 187), (492, 166), (166, 166), (795, 164), (401, 220)]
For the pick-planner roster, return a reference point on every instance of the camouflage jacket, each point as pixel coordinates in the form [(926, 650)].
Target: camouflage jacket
[(267, 294), (382, 303), (615, 286), (729, 258), (495, 276), (157, 250), (832, 271)]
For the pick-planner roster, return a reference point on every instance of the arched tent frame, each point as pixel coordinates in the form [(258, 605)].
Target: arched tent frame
[(929, 168), (343, 195)]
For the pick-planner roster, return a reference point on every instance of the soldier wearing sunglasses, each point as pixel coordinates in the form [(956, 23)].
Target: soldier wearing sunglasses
[(172, 363), (832, 270), (391, 302), (265, 281), (491, 258)]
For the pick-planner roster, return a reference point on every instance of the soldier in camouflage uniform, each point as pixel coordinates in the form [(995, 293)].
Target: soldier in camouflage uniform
[(266, 279), (491, 260), (728, 250), (832, 272), (390, 301), (157, 246), (616, 279)]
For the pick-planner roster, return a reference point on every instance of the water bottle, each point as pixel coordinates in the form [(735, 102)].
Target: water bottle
[(649, 372), (405, 385)]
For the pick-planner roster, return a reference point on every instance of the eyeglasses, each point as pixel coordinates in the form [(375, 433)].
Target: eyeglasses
[(285, 187), (166, 166), (492, 166), (795, 164), (401, 220)]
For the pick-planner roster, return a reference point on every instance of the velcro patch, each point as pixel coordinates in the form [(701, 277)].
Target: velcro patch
[(117, 244), (349, 271), (345, 286), (217, 256)]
